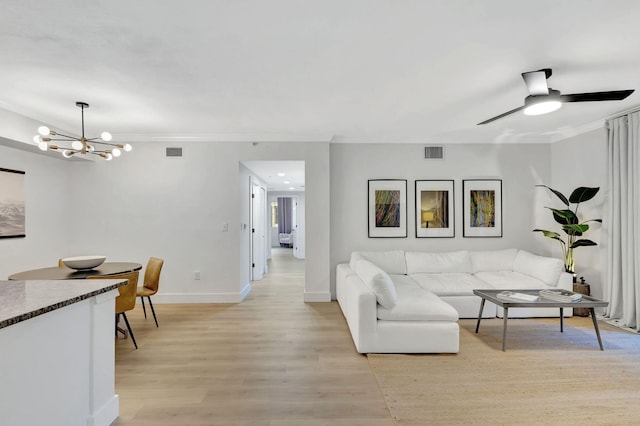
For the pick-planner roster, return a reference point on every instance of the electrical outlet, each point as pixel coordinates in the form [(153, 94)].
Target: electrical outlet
[(225, 227), (196, 275)]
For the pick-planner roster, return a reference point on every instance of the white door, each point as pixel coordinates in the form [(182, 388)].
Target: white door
[(258, 220)]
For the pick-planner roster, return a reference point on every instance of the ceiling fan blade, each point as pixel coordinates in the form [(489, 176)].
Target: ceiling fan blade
[(501, 115), (615, 95), (536, 82)]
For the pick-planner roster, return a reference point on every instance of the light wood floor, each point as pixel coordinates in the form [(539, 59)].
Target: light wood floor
[(270, 360), (274, 360)]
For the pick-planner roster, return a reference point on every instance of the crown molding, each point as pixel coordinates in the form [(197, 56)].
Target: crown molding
[(224, 137)]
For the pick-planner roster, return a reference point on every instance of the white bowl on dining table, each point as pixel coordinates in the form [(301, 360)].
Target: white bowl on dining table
[(83, 263)]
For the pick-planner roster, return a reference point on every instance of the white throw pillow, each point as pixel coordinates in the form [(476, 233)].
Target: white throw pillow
[(546, 269), (433, 263), (493, 260), (391, 261), (378, 282)]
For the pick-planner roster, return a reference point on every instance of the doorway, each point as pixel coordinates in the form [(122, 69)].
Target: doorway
[(274, 184), (258, 231)]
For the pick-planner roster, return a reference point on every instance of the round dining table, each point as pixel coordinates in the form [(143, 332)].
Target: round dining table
[(64, 273)]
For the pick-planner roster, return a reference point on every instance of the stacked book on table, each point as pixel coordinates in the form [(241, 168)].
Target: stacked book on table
[(514, 296), (560, 295)]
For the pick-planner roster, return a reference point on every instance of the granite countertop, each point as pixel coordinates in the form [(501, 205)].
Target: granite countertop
[(22, 300)]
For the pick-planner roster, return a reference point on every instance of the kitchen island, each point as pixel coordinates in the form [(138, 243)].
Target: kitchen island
[(57, 362)]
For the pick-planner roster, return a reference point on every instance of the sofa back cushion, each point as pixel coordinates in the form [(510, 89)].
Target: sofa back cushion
[(392, 261), (378, 282), (546, 269), (455, 261), (493, 260)]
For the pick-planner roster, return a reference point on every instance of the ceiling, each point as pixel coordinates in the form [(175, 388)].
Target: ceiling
[(335, 70), (285, 176)]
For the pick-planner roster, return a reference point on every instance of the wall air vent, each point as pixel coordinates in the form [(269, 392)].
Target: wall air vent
[(434, 152), (174, 152)]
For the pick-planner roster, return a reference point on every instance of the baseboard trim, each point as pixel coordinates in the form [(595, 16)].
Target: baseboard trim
[(317, 297), (245, 291), (107, 414)]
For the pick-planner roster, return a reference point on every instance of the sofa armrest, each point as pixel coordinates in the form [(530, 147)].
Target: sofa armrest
[(343, 271), (358, 304), (362, 306)]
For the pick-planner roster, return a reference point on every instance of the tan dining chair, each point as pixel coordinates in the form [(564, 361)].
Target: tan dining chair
[(150, 284), (126, 300)]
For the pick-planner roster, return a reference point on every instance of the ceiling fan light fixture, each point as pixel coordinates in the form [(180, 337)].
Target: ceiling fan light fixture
[(544, 107), (543, 104)]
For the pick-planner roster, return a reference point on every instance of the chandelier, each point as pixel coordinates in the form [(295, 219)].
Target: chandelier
[(101, 146)]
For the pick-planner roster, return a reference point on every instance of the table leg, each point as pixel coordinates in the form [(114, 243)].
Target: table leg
[(480, 314), (561, 320), (504, 329), (595, 325)]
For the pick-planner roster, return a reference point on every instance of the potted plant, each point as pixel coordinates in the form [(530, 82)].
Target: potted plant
[(571, 225)]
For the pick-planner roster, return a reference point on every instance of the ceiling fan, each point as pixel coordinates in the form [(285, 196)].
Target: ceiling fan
[(543, 99)]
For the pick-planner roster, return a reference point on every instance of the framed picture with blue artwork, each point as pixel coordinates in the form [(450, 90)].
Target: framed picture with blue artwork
[(387, 215), (482, 207)]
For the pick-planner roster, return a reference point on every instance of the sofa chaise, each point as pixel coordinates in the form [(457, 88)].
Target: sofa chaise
[(410, 302)]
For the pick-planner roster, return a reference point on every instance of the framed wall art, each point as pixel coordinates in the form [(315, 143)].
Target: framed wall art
[(482, 207), (12, 216), (387, 208), (434, 209)]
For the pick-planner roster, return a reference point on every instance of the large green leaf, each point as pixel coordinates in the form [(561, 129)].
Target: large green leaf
[(583, 194), (576, 228), (583, 243), (558, 194), (550, 234), (564, 217)]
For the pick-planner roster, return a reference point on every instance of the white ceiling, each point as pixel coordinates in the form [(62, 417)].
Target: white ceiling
[(339, 70), (270, 172)]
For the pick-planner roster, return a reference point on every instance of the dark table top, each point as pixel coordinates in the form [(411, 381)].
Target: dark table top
[(64, 273), (585, 302)]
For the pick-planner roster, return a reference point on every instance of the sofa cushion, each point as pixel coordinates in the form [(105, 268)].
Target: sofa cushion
[(493, 260), (546, 269), (453, 284), (378, 282), (392, 261), (509, 280), (455, 261), (416, 304)]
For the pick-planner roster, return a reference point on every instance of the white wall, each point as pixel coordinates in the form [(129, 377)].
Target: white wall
[(581, 161), (143, 204), (520, 167), (49, 216)]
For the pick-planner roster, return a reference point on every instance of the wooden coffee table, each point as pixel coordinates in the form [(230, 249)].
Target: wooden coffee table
[(586, 302)]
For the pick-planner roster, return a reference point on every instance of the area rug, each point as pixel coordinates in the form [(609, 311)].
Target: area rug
[(545, 377)]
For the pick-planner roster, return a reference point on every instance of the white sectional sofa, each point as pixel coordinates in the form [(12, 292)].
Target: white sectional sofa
[(410, 302)]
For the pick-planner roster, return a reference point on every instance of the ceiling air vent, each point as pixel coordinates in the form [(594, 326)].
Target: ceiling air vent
[(174, 152), (434, 152)]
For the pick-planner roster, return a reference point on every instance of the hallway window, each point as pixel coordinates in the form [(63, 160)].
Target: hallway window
[(274, 214)]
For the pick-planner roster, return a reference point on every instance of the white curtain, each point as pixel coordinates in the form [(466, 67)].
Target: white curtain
[(622, 269)]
